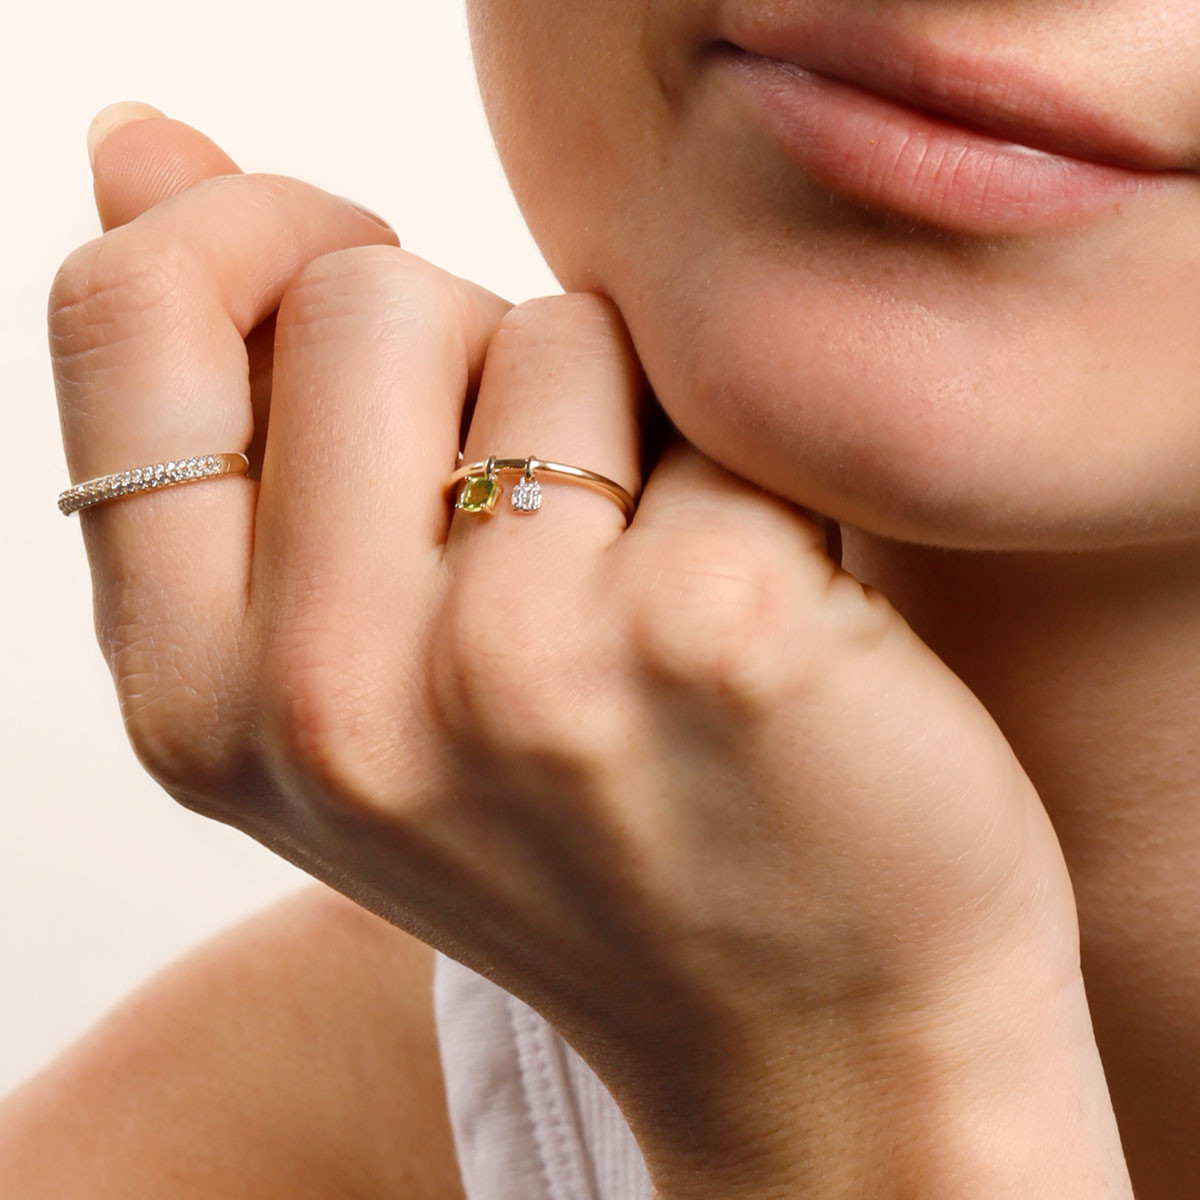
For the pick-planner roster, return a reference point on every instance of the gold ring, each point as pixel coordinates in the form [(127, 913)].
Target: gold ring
[(142, 479), (481, 488)]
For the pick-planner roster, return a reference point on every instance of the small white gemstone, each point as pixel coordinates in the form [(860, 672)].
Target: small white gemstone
[(527, 496)]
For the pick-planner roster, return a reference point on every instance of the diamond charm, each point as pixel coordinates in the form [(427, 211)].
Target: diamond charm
[(527, 495), (478, 494)]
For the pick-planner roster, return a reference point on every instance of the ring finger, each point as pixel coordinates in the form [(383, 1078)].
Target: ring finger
[(561, 383), (522, 610)]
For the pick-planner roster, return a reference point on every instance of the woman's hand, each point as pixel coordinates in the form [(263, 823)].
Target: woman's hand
[(688, 788)]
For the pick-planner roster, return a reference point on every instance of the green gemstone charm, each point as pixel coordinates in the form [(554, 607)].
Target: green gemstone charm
[(478, 494)]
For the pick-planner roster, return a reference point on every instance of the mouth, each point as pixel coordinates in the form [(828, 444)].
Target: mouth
[(986, 146)]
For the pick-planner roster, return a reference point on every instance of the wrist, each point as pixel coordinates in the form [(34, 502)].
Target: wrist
[(985, 1091)]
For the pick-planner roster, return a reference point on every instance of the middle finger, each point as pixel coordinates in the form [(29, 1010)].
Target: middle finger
[(376, 353)]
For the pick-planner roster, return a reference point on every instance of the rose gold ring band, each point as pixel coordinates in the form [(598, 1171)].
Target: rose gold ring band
[(481, 488)]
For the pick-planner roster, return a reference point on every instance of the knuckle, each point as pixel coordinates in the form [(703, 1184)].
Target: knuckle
[(859, 615), (250, 192), (581, 321), (732, 617), (323, 720), (714, 617), (171, 700), (265, 189), (128, 284), (514, 681), (381, 287), (486, 647)]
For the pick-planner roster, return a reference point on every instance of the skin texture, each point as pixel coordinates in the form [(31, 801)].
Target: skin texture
[(942, 397), (913, 944), (916, 888), (293, 1056), (740, 297)]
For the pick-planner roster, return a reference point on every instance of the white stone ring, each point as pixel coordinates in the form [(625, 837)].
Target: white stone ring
[(143, 479), (481, 489)]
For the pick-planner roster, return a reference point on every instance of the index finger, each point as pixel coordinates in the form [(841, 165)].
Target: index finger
[(146, 328)]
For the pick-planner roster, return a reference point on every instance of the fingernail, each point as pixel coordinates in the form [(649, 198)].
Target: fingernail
[(366, 212), (107, 119)]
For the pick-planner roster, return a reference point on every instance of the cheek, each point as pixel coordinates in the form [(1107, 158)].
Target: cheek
[(577, 117)]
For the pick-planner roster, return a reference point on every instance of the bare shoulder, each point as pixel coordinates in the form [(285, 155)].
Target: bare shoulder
[(294, 1055)]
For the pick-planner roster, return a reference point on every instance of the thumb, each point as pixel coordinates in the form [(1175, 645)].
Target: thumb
[(141, 157)]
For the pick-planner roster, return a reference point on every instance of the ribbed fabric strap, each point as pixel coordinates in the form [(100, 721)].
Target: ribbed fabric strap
[(531, 1120)]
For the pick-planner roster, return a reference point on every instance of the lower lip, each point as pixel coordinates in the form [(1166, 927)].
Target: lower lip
[(881, 153)]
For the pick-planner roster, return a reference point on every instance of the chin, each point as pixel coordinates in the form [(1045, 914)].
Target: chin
[(937, 414)]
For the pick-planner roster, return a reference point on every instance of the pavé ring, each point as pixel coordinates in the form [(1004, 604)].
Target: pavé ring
[(143, 479)]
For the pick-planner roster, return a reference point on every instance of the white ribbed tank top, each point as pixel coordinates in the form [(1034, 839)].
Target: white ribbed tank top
[(531, 1120)]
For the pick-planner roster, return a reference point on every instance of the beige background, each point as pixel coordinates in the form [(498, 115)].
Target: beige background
[(102, 877)]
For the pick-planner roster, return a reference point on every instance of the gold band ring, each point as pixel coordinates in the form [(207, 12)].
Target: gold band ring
[(143, 479), (481, 489)]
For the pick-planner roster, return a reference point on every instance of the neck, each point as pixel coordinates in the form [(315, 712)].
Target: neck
[(1089, 663)]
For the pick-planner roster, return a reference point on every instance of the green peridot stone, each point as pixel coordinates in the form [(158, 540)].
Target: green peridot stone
[(478, 494)]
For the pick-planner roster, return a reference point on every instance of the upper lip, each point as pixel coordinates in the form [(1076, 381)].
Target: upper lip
[(997, 95)]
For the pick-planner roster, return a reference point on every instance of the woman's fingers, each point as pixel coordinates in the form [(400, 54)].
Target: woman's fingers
[(562, 383), (689, 493), (710, 555), (141, 157), (376, 353), (521, 649), (146, 329)]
